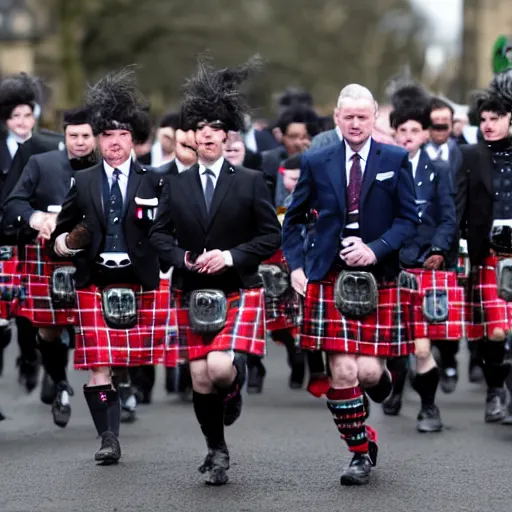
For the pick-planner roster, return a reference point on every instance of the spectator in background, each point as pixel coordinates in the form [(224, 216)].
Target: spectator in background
[(164, 148)]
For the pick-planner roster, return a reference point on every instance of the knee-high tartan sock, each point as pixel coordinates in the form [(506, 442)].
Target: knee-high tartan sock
[(348, 410)]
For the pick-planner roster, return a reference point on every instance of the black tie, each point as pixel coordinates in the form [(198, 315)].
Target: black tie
[(209, 188)]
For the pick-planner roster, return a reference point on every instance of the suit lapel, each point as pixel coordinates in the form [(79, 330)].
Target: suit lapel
[(134, 179), (337, 175), (484, 167), (194, 189), (96, 185), (221, 189), (370, 171), (422, 170)]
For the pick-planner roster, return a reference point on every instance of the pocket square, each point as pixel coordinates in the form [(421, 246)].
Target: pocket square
[(152, 202), (381, 176)]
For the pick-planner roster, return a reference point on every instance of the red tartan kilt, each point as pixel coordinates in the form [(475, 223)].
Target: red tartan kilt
[(35, 303), (9, 285), (384, 333), (244, 330), (485, 310), (100, 345), (453, 327)]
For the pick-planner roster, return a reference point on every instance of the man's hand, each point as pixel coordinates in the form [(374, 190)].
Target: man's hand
[(60, 247), (434, 262), (37, 220), (299, 281), (356, 253), (212, 262), (192, 266), (48, 226)]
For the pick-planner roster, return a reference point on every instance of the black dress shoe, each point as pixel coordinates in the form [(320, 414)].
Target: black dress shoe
[(28, 375), (358, 471), (392, 405), (110, 450), (215, 467), (2, 417), (429, 419), (476, 373), (495, 405), (255, 379), (143, 396), (128, 402), (448, 379), (208, 461), (48, 390), (61, 409), (297, 364)]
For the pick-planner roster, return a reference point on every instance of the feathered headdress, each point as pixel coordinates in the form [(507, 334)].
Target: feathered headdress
[(410, 101), (214, 95), (500, 89), (115, 102), (17, 90)]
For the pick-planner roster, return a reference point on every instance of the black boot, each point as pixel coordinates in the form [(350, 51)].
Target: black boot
[(143, 380), (232, 396), (448, 366), (476, 373), (121, 380), (429, 418), (28, 361), (495, 405), (358, 471), (398, 367), (61, 408), (105, 408), (48, 385), (256, 377)]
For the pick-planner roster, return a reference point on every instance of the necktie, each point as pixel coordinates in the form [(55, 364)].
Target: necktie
[(209, 188), (439, 154), (354, 185)]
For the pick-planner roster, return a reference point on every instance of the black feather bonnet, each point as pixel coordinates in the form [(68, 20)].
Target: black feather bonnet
[(499, 94), (116, 103), (410, 101), (214, 95), (15, 90)]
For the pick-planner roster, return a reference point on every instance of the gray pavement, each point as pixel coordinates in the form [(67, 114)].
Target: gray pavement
[(285, 451)]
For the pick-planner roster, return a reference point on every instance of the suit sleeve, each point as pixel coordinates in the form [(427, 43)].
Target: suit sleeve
[(296, 218), (18, 164), (70, 215), (445, 199), (161, 233), (268, 232), (406, 216), (18, 204), (461, 190)]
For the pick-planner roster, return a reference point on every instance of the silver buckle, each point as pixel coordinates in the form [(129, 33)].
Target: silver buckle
[(356, 294), (6, 252), (276, 281), (63, 291), (207, 310), (119, 308)]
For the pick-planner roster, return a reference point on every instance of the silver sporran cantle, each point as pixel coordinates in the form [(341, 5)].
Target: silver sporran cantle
[(63, 291), (119, 308), (6, 252), (207, 311), (356, 294), (276, 281), (504, 278)]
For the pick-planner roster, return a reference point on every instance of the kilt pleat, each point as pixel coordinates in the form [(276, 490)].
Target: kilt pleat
[(100, 345), (454, 327), (244, 330), (384, 333), (35, 269), (9, 286), (485, 310)]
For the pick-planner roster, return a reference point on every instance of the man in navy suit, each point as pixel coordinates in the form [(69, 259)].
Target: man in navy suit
[(364, 195), (427, 253)]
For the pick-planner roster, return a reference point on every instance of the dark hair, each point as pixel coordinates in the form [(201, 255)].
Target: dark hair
[(171, 119), (294, 97), (75, 117), (305, 116), (292, 162), (492, 104), (438, 104)]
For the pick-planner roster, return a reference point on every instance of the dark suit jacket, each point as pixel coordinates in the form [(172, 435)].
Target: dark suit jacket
[(387, 218), (168, 168), (84, 203), (5, 157), (39, 143), (271, 160), (45, 181), (241, 220), (474, 199), (435, 198), (265, 140), (454, 158)]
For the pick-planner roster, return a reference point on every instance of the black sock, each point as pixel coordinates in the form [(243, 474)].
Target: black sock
[(315, 363), (494, 369), (426, 386), (448, 350), (26, 339), (105, 408), (382, 389), (143, 377), (54, 355), (210, 415)]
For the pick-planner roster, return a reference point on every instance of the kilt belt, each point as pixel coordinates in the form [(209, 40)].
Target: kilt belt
[(9, 282)]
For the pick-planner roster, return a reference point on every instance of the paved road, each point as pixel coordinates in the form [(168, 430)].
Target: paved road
[(286, 456)]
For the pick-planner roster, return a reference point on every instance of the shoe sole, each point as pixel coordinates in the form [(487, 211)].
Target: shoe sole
[(221, 478), (349, 480), (495, 419), (61, 418), (429, 430), (107, 461)]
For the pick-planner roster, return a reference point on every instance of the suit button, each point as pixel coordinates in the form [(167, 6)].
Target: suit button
[(139, 243)]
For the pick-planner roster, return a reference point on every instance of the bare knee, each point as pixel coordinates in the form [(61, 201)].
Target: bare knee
[(343, 370), (220, 368), (369, 370), (201, 381), (100, 376), (497, 334)]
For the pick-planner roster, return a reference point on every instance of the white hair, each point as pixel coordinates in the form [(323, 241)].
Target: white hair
[(356, 92)]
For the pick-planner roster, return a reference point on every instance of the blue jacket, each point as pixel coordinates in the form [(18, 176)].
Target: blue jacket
[(435, 198), (387, 218)]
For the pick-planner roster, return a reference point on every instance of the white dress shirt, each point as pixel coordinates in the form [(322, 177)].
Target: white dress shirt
[(13, 142), (250, 140), (180, 165), (433, 151), (415, 160), (349, 153), (123, 177)]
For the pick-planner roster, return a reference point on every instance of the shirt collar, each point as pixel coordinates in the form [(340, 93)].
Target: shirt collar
[(180, 165), (215, 167), (363, 152), (17, 138), (415, 160), (124, 168)]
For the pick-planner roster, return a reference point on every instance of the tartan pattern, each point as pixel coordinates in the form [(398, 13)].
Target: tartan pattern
[(485, 310), (283, 312), (453, 327), (244, 330), (9, 286), (100, 345), (385, 333), (35, 302)]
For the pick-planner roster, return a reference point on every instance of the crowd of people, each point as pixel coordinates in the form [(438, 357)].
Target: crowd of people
[(370, 245)]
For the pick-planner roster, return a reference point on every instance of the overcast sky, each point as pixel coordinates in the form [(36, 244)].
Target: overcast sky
[(447, 15)]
